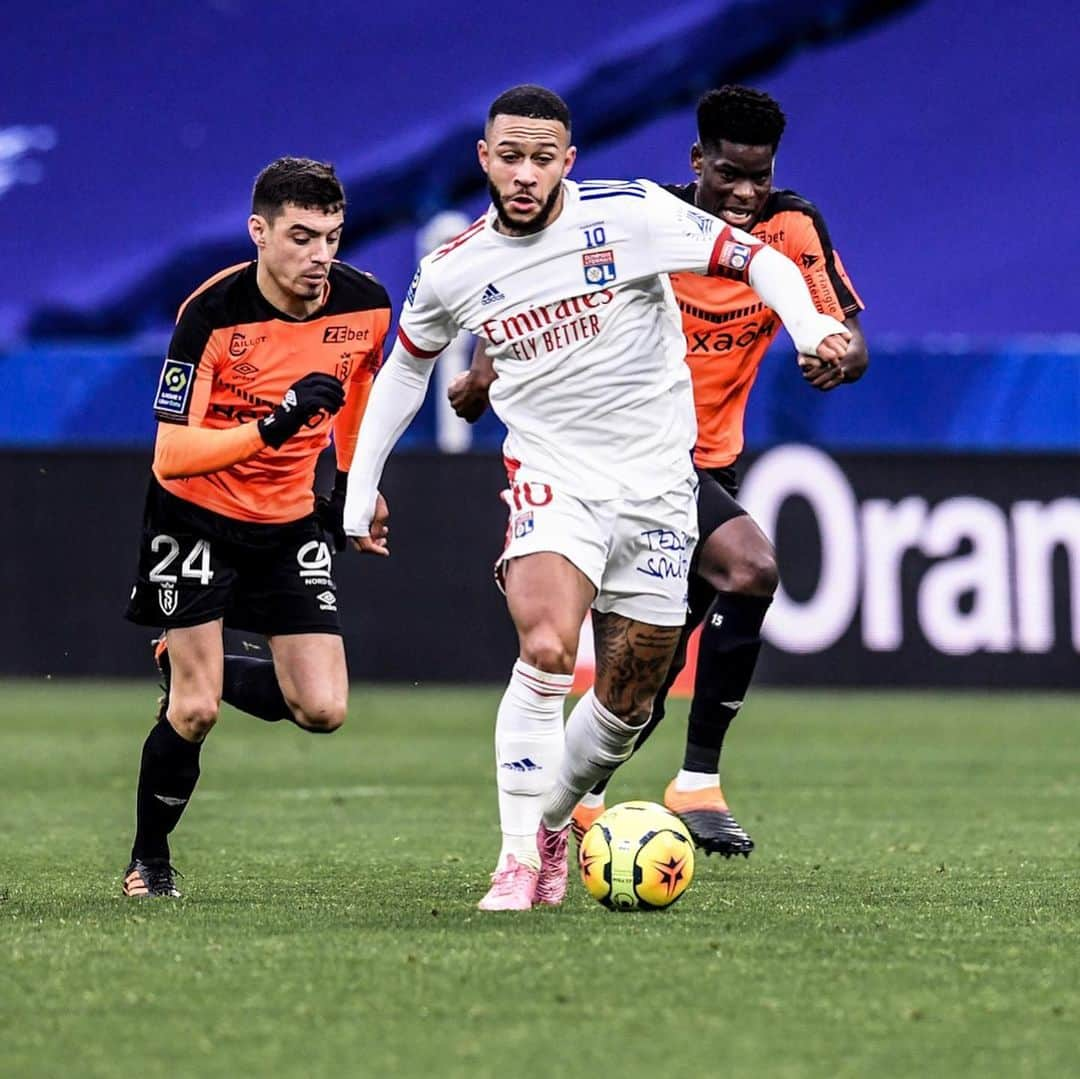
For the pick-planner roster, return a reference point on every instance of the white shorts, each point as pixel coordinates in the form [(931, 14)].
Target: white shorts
[(636, 553)]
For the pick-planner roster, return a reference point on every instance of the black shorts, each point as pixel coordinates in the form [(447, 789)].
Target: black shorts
[(196, 566), (716, 505)]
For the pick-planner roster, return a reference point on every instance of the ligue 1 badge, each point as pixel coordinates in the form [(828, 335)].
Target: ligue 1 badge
[(174, 387)]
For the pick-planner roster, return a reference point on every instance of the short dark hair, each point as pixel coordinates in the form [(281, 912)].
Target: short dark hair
[(536, 102), (739, 114), (311, 185)]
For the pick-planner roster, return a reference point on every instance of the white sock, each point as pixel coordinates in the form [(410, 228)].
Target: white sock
[(597, 742), (529, 743), (592, 801), (696, 781)]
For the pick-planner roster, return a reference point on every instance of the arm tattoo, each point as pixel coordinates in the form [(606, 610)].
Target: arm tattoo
[(632, 659)]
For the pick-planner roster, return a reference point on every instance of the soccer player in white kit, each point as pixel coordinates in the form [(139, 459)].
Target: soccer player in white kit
[(566, 285)]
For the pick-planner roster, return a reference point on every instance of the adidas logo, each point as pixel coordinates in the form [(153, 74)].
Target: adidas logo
[(490, 295), (523, 765)]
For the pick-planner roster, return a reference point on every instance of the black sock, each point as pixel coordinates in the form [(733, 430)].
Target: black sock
[(251, 685), (727, 656), (167, 776)]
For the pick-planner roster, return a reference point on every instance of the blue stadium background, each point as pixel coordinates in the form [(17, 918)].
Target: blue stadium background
[(933, 135)]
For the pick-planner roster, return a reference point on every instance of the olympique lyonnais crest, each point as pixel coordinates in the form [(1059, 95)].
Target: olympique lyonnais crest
[(599, 267), (522, 524), (734, 255)]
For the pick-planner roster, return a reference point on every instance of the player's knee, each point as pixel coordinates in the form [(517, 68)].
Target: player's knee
[(545, 650), (320, 716), (193, 716), (756, 574), (750, 572)]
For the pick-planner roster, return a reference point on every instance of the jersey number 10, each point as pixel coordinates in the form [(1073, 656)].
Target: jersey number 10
[(596, 236)]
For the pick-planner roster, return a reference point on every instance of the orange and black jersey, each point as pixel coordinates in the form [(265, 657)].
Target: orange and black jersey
[(728, 329), (232, 357)]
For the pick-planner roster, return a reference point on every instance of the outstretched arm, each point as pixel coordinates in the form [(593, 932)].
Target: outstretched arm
[(687, 238), (396, 397), (776, 279)]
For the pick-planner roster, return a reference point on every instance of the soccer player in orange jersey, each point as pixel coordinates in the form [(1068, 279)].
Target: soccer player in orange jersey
[(267, 359), (728, 331)]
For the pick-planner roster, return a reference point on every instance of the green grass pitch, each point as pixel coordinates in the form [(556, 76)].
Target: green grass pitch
[(912, 909)]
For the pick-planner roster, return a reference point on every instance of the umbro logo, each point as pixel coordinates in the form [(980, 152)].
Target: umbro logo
[(808, 260), (327, 601), (523, 765), (490, 295)]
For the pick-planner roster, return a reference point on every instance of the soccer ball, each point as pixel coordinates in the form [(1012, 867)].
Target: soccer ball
[(636, 856)]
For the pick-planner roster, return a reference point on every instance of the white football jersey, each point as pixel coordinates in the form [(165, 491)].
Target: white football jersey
[(584, 332)]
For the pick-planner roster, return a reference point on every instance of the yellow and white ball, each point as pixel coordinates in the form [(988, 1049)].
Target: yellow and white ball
[(636, 856)]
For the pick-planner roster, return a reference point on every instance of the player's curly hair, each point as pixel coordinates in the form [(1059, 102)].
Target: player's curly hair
[(739, 114), (311, 185), (535, 102)]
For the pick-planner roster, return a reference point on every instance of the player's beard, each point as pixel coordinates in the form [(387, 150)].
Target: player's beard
[(526, 228)]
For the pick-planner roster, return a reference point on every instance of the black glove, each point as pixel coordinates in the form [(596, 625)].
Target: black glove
[(331, 511), (309, 396)]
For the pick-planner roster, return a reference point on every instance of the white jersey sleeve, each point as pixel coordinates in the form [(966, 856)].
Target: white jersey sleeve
[(424, 330), (396, 398), (425, 327), (686, 238)]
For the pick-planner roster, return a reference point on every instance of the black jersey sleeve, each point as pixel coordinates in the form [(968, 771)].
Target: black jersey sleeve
[(184, 366)]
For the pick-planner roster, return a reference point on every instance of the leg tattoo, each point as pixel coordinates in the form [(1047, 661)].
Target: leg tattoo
[(632, 659)]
